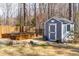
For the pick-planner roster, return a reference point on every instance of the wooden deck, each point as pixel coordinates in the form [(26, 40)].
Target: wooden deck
[(13, 33), (19, 36)]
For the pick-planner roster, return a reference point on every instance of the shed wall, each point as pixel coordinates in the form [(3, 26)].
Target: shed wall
[(46, 35)]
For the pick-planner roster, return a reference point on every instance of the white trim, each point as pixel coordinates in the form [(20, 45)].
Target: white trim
[(53, 32), (62, 32), (72, 26), (66, 27)]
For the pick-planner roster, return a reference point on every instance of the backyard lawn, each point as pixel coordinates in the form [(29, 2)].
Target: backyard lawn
[(41, 49)]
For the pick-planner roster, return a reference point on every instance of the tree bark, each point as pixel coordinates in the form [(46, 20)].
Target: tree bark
[(70, 11)]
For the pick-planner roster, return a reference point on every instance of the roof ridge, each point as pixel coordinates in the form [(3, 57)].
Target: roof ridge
[(65, 19)]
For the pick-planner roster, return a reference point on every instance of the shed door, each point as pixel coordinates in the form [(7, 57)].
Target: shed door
[(52, 32)]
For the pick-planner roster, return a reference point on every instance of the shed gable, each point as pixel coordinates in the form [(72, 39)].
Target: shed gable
[(51, 21), (62, 20)]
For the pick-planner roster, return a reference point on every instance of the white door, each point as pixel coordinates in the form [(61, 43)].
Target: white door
[(52, 32)]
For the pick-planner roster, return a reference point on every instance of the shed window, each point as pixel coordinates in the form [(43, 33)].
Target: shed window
[(68, 27), (52, 28)]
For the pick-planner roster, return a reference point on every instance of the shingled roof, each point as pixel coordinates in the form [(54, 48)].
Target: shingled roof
[(63, 20)]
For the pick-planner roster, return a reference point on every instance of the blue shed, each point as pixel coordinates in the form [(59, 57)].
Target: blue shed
[(57, 29)]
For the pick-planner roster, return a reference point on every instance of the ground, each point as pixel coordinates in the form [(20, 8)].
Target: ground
[(52, 49)]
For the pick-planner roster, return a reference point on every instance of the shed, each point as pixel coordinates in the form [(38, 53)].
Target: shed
[(57, 29)]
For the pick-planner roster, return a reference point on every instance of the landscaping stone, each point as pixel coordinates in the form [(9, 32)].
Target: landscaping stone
[(5, 41)]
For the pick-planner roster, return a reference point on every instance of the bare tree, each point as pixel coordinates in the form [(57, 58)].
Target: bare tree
[(70, 11), (48, 10)]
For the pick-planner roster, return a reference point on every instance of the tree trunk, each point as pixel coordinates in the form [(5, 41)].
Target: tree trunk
[(70, 11)]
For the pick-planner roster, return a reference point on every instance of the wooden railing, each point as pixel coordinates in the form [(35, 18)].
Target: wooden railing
[(8, 29)]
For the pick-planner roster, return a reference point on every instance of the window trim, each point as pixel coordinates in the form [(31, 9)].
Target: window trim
[(67, 27)]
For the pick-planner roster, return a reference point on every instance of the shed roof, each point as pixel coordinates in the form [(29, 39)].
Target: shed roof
[(63, 20)]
